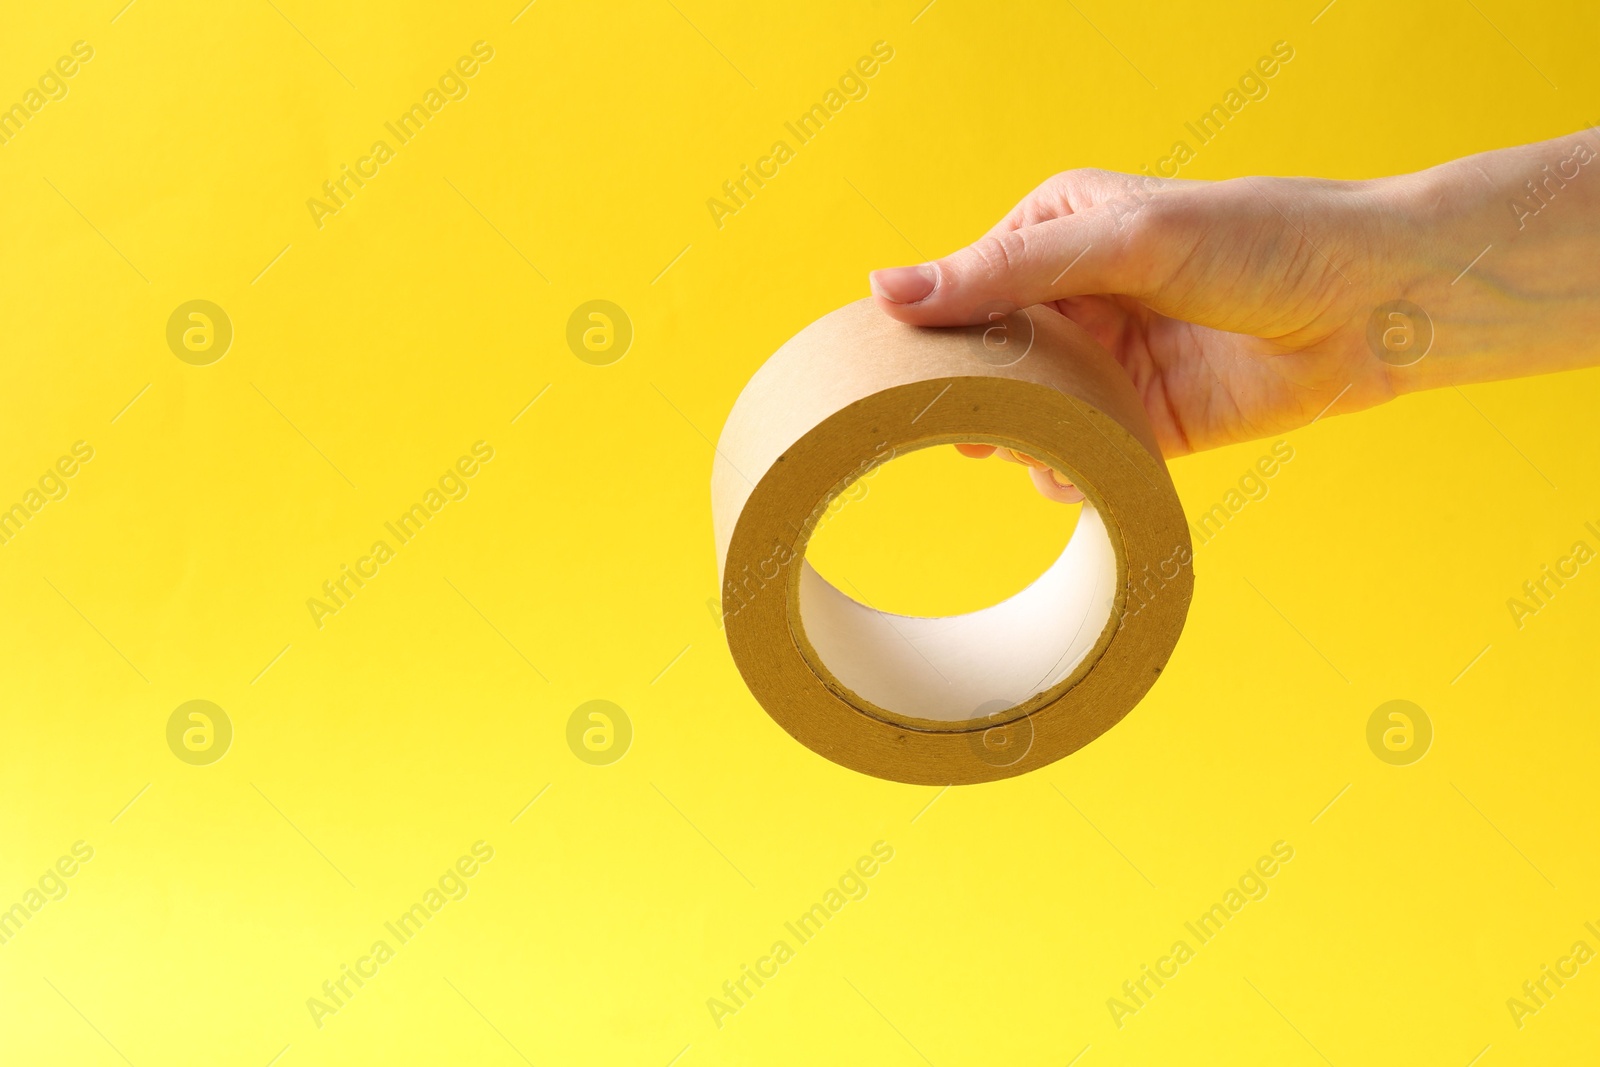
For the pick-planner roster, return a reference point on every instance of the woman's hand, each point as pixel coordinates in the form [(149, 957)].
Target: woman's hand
[(1238, 308), (1241, 308)]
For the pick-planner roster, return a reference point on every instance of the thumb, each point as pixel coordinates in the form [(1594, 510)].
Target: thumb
[(1097, 251)]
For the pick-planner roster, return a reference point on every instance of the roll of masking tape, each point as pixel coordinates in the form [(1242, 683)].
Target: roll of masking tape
[(965, 698)]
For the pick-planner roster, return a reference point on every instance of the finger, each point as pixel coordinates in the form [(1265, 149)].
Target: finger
[(1120, 247), (1025, 459), (976, 451), (1053, 487), (1076, 191)]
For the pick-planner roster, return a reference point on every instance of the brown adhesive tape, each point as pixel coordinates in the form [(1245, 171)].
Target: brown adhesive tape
[(968, 698)]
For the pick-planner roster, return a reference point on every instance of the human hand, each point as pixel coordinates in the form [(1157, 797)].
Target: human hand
[(1238, 308)]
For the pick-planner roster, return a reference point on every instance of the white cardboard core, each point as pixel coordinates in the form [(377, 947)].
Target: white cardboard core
[(959, 667)]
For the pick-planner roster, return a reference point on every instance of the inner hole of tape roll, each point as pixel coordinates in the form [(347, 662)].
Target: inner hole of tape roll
[(970, 666), (929, 532)]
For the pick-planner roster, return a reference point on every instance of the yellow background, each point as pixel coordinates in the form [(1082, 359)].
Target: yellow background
[(370, 754)]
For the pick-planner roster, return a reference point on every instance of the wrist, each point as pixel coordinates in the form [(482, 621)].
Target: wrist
[(1500, 260)]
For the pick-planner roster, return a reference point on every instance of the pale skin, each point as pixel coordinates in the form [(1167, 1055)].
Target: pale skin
[(1239, 309)]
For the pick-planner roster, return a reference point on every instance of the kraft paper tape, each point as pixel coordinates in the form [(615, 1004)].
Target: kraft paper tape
[(966, 698)]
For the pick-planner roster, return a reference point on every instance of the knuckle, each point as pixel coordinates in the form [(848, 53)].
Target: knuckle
[(997, 255), (1090, 175), (1071, 190), (1080, 177)]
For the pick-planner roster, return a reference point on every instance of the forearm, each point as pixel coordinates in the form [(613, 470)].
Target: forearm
[(1505, 261)]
